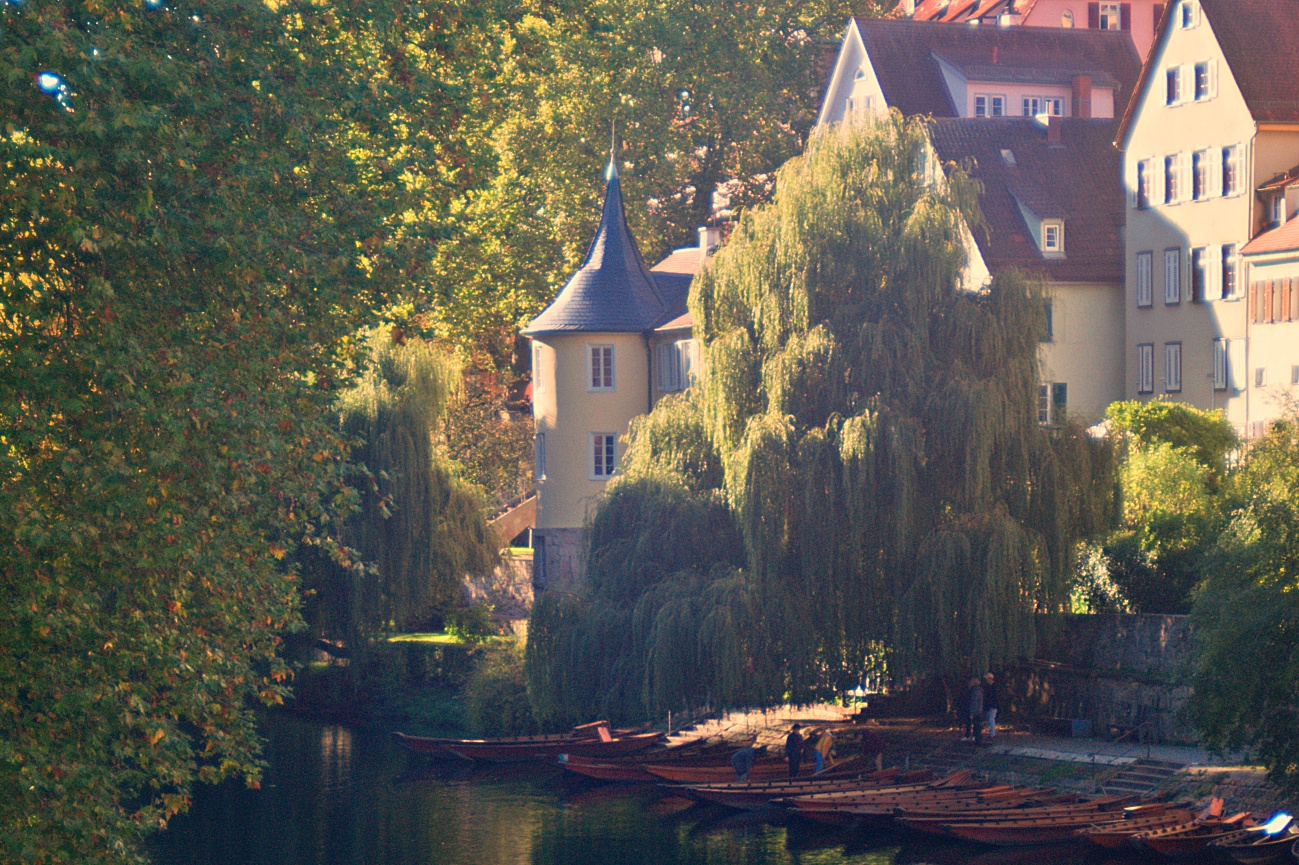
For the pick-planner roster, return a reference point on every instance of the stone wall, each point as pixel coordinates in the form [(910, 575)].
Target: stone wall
[(561, 558), (508, 589), (1126, 674)]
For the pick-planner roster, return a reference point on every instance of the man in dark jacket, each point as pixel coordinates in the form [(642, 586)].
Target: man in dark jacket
[(794, 749), (990, 703)]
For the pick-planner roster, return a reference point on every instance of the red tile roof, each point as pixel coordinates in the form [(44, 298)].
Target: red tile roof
[(1283, 238), (902, 54), (1076, 180), (1260, 39)]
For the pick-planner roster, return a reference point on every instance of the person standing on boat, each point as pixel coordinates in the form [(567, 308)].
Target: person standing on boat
[(821, 750), (990, 704), (742, 762), (794, 749), (974, 712)]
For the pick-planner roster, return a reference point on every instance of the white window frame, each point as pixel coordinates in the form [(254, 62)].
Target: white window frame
[(1145, 170), (1230, 170), (538, 381), (994, 104), (1202, 175), (1044, 404), (1230, 259), (1200, 272), (1172, 276), (1221, 361), (1053, 106), (1210, 68), (539, 456), (1172, 175), (1260, 376), (602, 460), (1145, 279), (1146, 367), (1056, 247), (1188, 15), (1172, 367), (1032, 105), (608, 362), (1111, 13), (1173, 94)]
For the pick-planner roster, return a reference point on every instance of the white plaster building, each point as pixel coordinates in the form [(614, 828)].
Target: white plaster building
[(1214, 118)]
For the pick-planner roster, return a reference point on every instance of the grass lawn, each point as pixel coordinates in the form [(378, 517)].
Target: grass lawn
[(437, 638)]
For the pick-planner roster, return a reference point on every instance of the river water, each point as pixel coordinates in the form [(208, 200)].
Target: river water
[(334, 796)]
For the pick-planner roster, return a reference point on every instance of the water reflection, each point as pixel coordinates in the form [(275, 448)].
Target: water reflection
[(336, 797)]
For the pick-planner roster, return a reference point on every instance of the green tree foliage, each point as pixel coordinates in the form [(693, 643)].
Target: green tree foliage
[(1206, 435), (1176, 458), (708, 97), (1246, 611), (185, 240), (860, 462), (420, 528), (496, 696)]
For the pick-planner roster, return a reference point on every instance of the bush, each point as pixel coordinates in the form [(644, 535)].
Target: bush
[(497, 697), (471, 623)]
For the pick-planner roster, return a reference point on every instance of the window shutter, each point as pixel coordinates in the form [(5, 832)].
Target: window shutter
[(1213, 78), (1236, 364), (1212, 272), (1266, 311), (1093, 16), (1184, 185), (1294, 298), (1253, 302), (1125, 16), (1285, 301)]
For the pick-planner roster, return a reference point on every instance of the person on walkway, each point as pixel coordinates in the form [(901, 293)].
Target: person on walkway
[(990, 704), (872, 745), (974, 712), (742, 762), (794, 749), (821, 750)]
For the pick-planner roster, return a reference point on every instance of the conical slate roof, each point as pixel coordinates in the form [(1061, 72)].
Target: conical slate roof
[(613, 291)]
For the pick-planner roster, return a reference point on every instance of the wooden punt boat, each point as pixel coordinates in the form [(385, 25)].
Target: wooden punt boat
[(761, 794), (767, 769), (1255, 846), (1022, 833), (1190, 839), (886, 800), (494, 752), (1078, 813), (1119, 834), (436, 747)]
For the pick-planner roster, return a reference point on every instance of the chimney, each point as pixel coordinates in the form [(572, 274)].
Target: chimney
[(710, 238), (1082, 96), (909, 8), (994, 55), (1053, 124)]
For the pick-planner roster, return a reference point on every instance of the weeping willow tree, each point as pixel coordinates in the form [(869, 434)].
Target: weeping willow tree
[(419, 529), (859, 464)]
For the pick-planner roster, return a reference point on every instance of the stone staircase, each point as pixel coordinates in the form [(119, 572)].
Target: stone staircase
[(1141, 777)]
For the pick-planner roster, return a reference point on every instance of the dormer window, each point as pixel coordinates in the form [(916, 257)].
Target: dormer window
[(1278, 209), (1111, 16), (1052, 236)]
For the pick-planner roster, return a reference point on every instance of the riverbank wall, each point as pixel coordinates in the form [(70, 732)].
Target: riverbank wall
[(1108, 675)]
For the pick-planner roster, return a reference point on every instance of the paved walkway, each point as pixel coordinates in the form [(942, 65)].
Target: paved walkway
[(1103, 753)]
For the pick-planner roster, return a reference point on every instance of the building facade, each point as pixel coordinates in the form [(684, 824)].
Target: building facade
[(1210, 124), (1034, 109)]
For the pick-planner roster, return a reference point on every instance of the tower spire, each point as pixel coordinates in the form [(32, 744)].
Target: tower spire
[(611, 171)]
